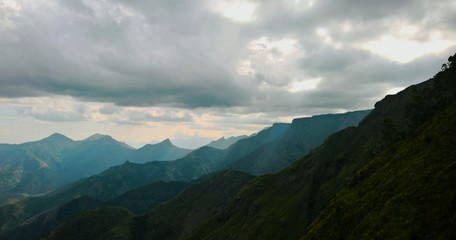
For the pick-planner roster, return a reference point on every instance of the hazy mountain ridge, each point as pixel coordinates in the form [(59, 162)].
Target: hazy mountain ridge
[(40, 166), (224, 143), (120, 179), (303, 135), (163, 151)]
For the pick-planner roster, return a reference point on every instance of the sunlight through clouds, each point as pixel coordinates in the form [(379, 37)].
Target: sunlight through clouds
[(405, 50), (241, 11), (304, 85)]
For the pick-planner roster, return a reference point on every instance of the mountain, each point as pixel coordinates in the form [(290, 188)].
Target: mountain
[(171, 220), (138, 201), (38, 167), (223, 143), (128, 176), (163, 151), (408, 191), (120, 179), (283, 205), (303, 135)]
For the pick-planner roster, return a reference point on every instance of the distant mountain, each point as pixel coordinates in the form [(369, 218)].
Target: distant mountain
[(303, 135), (120, 179), (38, 167), (163, 151), (138, 201), (223, 143), (171, 220)]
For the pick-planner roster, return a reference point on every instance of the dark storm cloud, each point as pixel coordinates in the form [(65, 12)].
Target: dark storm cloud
[(186, 54)]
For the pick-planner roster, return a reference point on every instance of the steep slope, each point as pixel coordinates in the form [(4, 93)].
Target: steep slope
[(170, 220), (407, 192), (179, 216), (101, 223), (282, 205), (163, 151), (138, 201), (223, 143), (303, 135)]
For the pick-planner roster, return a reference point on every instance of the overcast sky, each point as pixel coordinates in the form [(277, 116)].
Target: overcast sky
[(193, 71)]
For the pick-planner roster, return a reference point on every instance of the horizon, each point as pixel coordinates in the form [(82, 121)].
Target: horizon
[(193, 72)]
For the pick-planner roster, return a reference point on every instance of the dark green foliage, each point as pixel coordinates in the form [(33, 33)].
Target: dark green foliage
[(390, 134), (406, 192), (171, 220), (428, 101), (179, 216), (98, 224), (138, 201)]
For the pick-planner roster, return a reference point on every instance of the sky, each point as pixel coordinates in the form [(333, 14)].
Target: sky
[(193, 71)]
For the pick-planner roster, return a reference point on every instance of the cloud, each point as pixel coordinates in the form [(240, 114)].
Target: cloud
[(236, 62)]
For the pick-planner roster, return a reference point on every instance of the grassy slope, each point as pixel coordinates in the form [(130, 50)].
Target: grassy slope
[(406, 192)]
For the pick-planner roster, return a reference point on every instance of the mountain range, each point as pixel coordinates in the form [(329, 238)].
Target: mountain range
[(224, 143), (391, 177), (41, 166), (128, 176)]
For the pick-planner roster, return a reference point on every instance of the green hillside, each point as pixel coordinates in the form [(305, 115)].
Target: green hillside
[(171, 220), (406, 192), (138, 201), (283, 205)]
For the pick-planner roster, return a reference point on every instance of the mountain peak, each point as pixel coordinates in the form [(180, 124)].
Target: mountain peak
[(97, 136), (57, 137), (166, 142)]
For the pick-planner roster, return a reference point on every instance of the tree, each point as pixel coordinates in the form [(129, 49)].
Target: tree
[(389, 131)]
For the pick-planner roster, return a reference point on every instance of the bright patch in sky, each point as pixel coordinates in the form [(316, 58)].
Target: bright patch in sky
[(395, 90), (241, 11), (404, 50), (304, 85)]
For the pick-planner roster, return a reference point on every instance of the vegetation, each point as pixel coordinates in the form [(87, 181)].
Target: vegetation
[(406, 192), (171, 220), (282, 206), (35, 222)]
